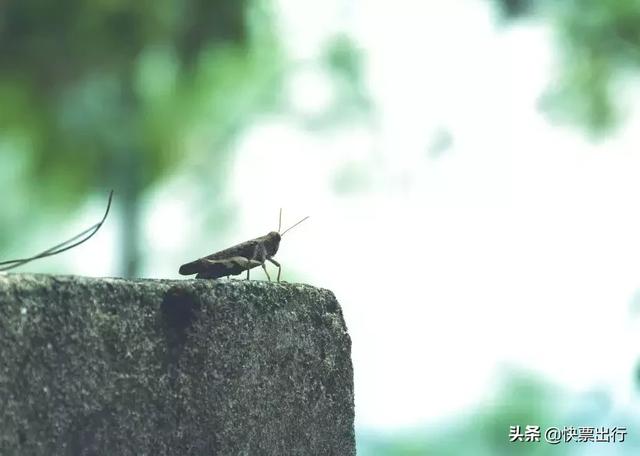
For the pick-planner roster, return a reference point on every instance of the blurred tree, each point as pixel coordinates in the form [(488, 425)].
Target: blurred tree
[(104, 94), (600, 44)]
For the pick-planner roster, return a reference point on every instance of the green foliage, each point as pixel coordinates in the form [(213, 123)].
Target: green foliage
[(346, 62), (600, 44), (600, 41), (82, 80)]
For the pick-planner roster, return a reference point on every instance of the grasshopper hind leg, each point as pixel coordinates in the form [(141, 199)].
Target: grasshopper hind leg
[(266, 272), (279, 267)]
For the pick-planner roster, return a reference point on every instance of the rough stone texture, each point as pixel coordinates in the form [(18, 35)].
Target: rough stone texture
[(159, 367)]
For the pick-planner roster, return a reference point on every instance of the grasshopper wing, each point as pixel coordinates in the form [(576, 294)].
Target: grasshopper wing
[(212, 269), (231, 254)]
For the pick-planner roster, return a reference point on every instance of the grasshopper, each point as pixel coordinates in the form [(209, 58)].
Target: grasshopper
[(241, 257)]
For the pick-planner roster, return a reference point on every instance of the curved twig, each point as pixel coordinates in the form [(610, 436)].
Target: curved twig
[(63, 246)]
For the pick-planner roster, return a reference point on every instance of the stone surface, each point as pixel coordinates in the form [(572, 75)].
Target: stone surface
[(159, 367)]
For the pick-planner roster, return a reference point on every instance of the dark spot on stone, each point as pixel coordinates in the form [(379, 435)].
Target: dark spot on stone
[(180, 308)]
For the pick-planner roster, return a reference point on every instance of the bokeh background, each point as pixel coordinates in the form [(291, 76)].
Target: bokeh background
[(470, 168)]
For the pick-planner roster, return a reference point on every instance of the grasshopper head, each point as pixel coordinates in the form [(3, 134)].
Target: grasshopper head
[(272, 242)]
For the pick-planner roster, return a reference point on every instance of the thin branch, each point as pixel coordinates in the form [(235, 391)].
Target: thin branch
[(63, 246)]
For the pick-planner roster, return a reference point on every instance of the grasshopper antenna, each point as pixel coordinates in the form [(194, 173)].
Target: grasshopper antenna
[(294, 225), (280, 220)]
